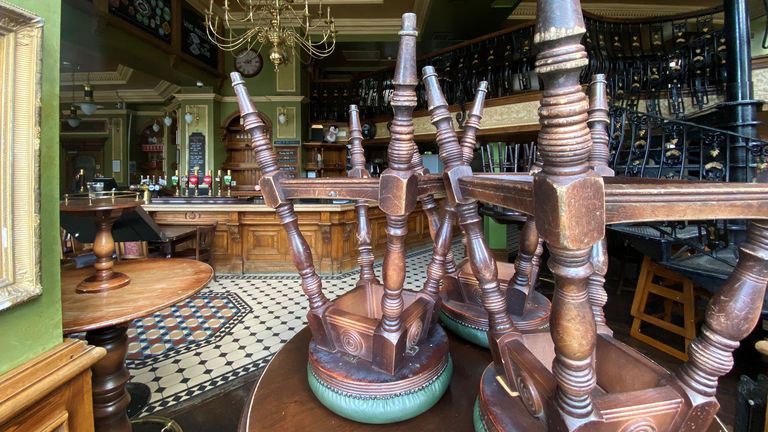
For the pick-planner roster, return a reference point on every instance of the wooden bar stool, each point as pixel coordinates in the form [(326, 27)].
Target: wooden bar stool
[(673, 288)]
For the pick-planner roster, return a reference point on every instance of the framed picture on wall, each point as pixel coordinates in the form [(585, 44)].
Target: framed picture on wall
[(20, 60)]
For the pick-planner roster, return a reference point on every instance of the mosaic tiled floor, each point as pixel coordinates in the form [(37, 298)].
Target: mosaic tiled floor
[(231, 328)]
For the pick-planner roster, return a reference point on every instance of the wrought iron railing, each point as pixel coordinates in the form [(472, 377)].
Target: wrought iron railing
[(678, 59), (648, 145)]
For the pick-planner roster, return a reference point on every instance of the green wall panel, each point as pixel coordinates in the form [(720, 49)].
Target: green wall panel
[(34, 327)]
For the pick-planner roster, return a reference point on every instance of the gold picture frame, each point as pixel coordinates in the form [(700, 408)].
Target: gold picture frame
[(21, 40)]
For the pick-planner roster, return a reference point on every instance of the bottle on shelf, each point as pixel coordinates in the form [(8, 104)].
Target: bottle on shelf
[(175, 183), (208, 182), (218, 183), (228, 182), (194, 179)]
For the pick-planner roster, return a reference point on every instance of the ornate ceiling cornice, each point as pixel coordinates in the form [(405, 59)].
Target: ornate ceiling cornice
[(119, 76), (527, 10), (160, 93)]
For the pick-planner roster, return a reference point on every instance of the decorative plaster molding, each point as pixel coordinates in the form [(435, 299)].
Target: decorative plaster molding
[(119, 76), (497, 117), (275, 98), (162, 91), (527, 10), (197, 96)]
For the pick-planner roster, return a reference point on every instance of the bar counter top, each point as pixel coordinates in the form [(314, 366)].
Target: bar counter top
[(250, 207), (250, 239)]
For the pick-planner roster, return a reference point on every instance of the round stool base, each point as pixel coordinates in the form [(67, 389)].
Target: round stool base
[(352, 388)]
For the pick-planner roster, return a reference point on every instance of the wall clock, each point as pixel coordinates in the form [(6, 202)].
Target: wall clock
[(248, 62)]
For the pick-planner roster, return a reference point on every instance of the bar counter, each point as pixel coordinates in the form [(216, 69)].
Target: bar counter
[(249, 238)]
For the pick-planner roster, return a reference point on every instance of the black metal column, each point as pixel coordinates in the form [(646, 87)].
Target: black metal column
[(739, 96)]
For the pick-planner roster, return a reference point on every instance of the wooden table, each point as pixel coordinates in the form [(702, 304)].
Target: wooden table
[(105, 316), (283, 401), (175, 235)]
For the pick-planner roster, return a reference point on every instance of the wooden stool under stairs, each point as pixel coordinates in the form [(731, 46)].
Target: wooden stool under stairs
[(673, 288)]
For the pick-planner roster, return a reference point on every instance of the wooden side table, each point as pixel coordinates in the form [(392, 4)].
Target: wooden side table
[(105, 317)]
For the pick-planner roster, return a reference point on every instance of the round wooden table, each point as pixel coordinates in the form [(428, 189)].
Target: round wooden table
[(105, 317), (283, 401)]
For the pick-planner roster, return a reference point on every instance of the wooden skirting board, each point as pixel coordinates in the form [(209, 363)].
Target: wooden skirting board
[(51, 392)]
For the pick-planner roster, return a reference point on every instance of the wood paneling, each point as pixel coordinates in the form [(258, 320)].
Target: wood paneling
[(51, 392), (253, 241)]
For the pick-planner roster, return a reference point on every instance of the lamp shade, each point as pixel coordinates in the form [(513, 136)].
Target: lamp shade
[(88, 107), (155, 127), (168, 120), (282, 118), (188, 117), (73, 120)]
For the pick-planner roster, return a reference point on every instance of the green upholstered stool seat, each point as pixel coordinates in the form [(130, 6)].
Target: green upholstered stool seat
[(352, 388), (476, 335), (469, 321)]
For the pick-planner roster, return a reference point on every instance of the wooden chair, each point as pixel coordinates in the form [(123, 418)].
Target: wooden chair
[(202, 250), (131, 250)]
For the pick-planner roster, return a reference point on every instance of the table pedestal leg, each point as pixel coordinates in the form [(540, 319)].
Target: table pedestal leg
[(110, 400), (103, 247)]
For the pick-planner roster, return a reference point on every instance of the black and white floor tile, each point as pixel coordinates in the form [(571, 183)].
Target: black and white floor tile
[(231, 328)]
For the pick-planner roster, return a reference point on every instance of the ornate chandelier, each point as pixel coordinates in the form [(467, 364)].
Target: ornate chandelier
[(242, 24)]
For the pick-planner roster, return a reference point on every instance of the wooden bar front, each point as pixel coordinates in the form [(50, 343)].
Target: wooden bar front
[(249, 238)]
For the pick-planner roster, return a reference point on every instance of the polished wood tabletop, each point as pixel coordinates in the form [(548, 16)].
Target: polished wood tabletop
[(155, 284), (283, 401)]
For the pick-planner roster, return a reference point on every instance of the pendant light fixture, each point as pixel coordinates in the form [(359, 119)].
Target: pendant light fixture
[(87, 106), (168, 120), (73, 120)]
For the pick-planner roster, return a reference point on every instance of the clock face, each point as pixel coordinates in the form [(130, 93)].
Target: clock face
[(248, 63)]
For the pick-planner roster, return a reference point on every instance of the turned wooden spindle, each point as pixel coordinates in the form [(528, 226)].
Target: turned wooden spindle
[(398, 193), (523, 280), (365, 259), (598, 158), (598, 122), (569, 200), (482, 262), (731, 315), (273, 197), (429, 206)]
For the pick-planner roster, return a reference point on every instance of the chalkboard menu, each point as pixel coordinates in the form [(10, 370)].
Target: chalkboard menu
[(196, 152), (151, 16), (194, 38)]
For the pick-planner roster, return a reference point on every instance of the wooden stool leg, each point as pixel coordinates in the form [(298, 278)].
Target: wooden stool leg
[(110, 400)]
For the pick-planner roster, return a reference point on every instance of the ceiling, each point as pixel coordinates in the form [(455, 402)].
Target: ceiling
[(367, 38)]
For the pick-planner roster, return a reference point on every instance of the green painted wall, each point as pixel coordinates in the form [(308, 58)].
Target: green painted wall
[(32, 328), (495, 233)]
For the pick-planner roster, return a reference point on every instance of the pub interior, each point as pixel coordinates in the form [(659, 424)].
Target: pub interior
[(448, 215)]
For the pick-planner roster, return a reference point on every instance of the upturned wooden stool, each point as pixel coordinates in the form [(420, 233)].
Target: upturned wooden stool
[(673, 288)]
